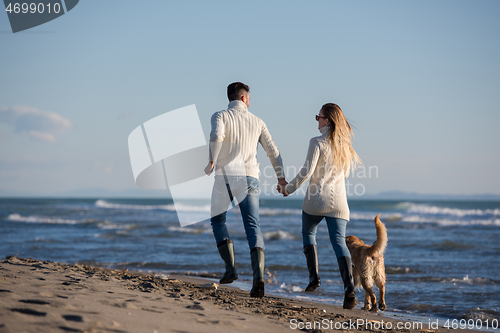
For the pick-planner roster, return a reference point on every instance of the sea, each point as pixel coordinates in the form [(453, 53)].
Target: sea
[(442, 259)]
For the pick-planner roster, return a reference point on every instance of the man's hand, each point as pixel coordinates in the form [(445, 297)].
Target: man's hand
[(281, 188), (209, 168)]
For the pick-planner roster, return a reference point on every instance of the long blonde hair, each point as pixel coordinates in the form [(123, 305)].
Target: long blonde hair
[(344, 156)]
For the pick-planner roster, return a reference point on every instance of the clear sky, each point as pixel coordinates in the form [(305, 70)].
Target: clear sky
[(420, 81)]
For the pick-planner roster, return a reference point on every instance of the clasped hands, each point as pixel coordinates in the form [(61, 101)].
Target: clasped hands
[(281, 187)]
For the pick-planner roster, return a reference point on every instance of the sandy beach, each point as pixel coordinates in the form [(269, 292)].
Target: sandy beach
[(43, 296)]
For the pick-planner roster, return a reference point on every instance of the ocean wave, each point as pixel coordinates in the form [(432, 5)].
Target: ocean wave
[(398, 270), (104, 204), (404, 205), (170, 207), (190, 230), (426, 308), (482, 314), (279, 211), (277, 267), (107, 225), (450, 222), (465, 280), (478, 280), (279, 234), (39, 219), (263, 211), (453, 246), (393, 217), (101, 224), (362, 216), (434, 210), (446, 312), (291, 288)]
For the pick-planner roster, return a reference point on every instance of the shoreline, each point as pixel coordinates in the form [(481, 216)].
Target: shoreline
[(48, 296)]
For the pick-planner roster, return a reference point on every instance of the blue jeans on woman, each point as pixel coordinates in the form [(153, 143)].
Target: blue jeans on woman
[(249, 208), (336, 229)]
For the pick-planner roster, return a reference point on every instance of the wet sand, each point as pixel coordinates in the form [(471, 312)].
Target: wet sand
[(44, 296)]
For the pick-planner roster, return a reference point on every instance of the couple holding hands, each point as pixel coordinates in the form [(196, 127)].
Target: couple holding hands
[(330, 158)]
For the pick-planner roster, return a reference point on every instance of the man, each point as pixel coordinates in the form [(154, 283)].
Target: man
[(233, 149)]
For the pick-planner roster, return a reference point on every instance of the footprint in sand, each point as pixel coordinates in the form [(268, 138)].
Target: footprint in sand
[(195, 306), (30, 312), (33, 301), (69, 329), (73, 318), (50, 294)]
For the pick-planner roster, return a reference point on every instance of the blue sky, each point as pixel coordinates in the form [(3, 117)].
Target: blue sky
[(419, 80)]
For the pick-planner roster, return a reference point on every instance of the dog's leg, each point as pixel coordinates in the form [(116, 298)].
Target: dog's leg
[(370, 299), (368, 287), (381, 294), (367, 302)]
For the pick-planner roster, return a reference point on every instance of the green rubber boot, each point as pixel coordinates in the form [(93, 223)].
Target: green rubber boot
[(311, 253), (257, 256), (226, 251), (345, 266)]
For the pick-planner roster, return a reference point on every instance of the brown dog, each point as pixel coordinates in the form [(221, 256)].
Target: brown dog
[(369, 266)]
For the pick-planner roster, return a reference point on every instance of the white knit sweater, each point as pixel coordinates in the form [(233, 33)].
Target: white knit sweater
[(235, 131), (326, 194)]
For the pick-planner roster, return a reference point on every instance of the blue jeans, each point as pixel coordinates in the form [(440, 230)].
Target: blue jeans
[(249, 208), (336, 229)]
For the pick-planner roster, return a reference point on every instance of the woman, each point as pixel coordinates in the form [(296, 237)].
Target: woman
[(329, 160)]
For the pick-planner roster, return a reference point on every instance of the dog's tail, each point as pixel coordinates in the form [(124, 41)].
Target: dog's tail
[(381, 243)]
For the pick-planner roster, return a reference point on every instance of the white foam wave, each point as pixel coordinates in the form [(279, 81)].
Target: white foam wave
[(279, 211), (107, 225), (466, 279), (190, 230), (279, 234), (404, 205), (449, 222), (39, 219), (104, 204), (393, 217), (264, 211), (434, 210), (362, 216), (170, 207), (290, 288)]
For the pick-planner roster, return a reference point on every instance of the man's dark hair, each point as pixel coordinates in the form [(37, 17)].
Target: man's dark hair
[(235, 90)]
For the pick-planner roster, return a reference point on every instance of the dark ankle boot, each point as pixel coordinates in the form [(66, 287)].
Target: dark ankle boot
[(257, 256), (345, 266), (226, 251), (311, 253)]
